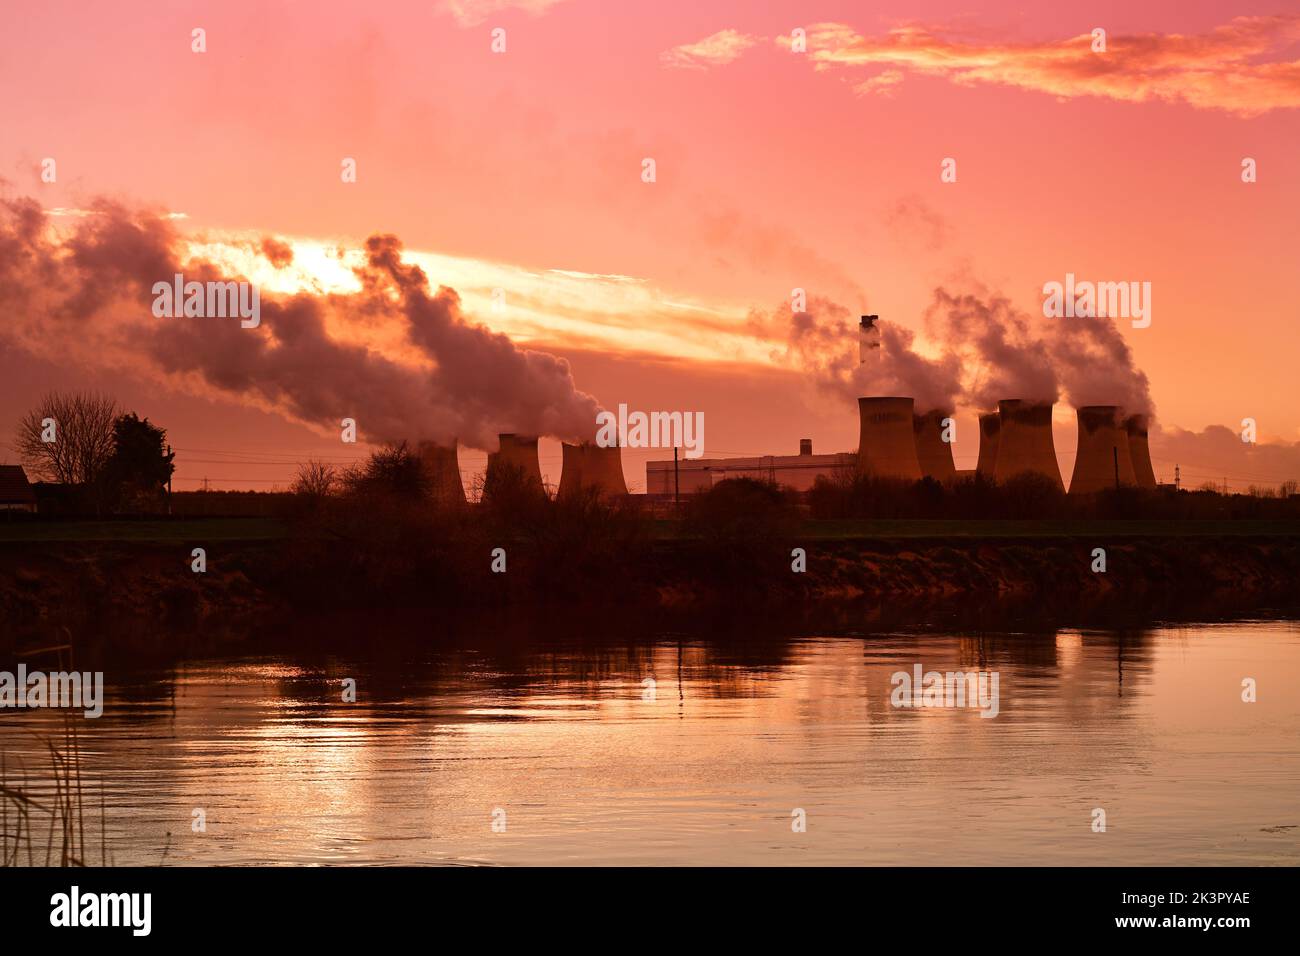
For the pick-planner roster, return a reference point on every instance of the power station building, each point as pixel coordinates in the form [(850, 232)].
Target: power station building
[(791, 471), (894, 443)]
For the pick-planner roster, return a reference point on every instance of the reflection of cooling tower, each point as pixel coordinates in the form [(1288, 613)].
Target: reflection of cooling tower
[(886, 444), (990, 425), (440, 465), (933, 454), (1025, 441), (591, 466), (1144, 476), (516, 453), (1103, 451)]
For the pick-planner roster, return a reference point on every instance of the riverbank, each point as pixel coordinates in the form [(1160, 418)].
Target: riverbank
[(80, 580)]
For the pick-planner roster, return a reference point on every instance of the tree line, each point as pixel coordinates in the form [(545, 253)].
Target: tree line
[(108, 459)]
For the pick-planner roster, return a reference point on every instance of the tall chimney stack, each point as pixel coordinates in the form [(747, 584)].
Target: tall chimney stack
[(868, 338)]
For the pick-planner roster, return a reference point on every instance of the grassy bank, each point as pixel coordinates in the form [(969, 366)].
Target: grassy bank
[(200, 530), (740, 546), (148, 582), (904, 528), (177, 531)]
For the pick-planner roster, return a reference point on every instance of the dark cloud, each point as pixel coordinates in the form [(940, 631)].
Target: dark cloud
[(279, 254), (1217, 454)]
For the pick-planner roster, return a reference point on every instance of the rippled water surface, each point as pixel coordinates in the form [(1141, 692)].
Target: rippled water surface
[(591, 765)]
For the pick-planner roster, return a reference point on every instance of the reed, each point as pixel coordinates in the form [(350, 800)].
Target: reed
[(28, 811)]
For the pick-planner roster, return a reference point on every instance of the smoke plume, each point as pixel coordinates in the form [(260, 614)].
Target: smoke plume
[(996, 346), (1006, 355), (823, 342), (84, 295), (1096, 367)]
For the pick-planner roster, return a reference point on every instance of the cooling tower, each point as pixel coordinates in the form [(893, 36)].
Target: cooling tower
[(933, 454), (886, 444), (1144, 476), (591, 466), (516, 453), (440, 465), (990, 425), (1025, 441), (1103, 451)]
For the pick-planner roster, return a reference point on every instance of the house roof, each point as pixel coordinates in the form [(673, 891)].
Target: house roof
[(14, 488)]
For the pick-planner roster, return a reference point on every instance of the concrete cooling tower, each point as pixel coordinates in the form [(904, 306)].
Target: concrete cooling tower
[(1025, 441), (1103, 459), (443, 470), (590, 466), (516, 453), (886, 444), (933, 454), (1139, 451), (990, 426)]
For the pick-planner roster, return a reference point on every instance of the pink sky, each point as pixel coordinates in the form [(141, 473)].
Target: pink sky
[(775, 170)]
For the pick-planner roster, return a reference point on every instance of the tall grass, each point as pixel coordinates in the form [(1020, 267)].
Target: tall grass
[(28, 813)]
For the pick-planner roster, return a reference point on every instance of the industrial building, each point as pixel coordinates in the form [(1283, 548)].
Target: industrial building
[(895, 441), (792, 471)]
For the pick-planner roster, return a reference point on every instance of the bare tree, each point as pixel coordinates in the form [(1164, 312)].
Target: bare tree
[(80, 425), (316, 479)]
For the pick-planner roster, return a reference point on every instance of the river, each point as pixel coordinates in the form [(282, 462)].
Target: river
[(519, 751)]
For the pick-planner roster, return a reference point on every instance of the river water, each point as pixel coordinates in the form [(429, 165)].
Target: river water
[(559, 751)]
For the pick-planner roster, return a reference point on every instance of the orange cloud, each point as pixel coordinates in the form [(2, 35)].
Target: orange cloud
[(721, 48), (1224, 69), (469, 13), (885, 84)]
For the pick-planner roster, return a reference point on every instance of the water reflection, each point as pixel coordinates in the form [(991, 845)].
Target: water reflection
[(745, 725)]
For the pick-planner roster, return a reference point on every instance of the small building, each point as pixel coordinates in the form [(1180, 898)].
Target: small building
[(16, 494), (790, 471)]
